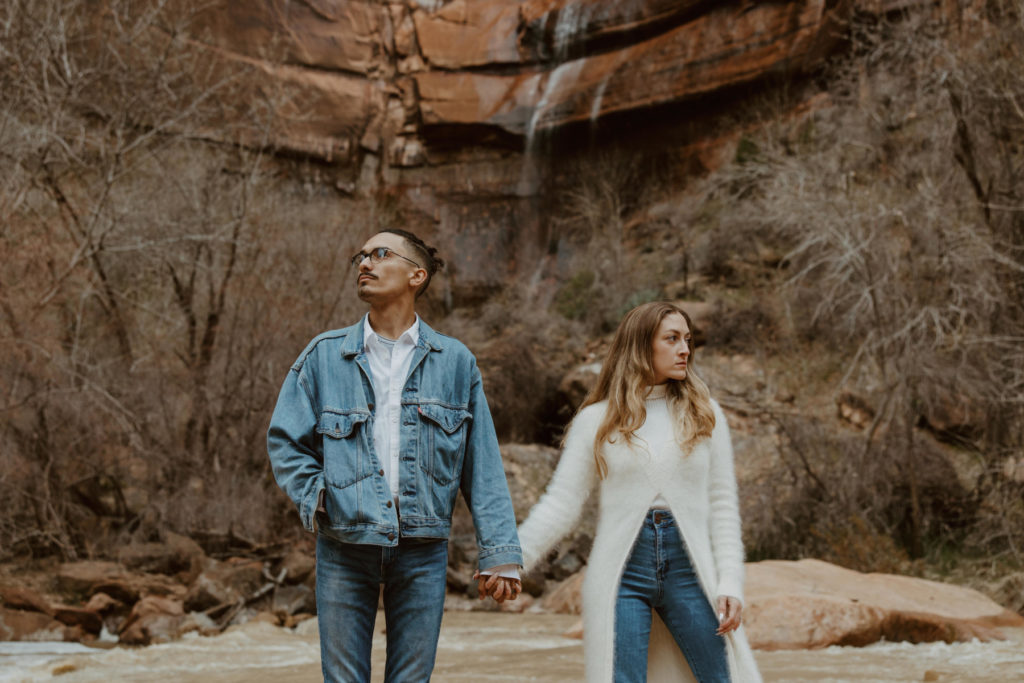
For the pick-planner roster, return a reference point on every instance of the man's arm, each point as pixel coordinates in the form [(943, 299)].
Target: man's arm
[(484, 487), (293, 446)]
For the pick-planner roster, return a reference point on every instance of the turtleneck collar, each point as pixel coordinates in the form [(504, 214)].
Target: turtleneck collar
[(657, 391)]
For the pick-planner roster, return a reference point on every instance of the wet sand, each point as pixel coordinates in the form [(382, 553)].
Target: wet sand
[(501, 647)]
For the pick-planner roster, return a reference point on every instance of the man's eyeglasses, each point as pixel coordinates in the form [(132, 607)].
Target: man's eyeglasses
[(377, 255)]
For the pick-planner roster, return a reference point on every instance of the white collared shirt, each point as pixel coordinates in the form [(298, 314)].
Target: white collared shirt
[(389, 366)]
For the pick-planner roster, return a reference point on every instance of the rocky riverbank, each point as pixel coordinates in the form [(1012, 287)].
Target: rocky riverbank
[(790, 605)]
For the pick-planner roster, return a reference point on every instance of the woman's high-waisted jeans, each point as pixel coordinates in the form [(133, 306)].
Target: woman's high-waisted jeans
[(659, 575)]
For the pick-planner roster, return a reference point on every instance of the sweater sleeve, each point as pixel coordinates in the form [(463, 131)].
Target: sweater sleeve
[(560, 507), (724, 520)]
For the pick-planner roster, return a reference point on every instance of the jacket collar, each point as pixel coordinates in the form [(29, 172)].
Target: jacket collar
[(352, 345)]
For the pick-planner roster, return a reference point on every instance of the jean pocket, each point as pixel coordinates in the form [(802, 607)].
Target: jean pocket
[(443, 438)]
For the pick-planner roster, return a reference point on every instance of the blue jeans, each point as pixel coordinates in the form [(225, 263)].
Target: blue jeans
[(659, 575), (348, 581)]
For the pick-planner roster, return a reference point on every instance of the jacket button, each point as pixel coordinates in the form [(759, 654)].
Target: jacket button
[(391, 537), (380, 472), (389, 503)]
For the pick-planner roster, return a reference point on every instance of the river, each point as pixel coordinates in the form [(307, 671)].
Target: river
[(479, 646)]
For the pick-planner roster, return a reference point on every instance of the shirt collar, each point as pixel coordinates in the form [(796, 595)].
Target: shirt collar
[(411, 336)]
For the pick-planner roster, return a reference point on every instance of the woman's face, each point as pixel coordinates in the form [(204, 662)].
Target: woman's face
[(671, 349)]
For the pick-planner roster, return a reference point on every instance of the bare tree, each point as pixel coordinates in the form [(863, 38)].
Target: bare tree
[(156, 283), (901, 208)]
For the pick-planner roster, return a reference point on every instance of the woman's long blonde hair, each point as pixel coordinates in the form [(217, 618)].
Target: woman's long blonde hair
[(627, 375)]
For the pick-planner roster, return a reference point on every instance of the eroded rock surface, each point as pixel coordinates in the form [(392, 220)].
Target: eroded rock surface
[(810, 604), (401, 80)]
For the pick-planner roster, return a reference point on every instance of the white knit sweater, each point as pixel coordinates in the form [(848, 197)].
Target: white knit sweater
[(699, 489)]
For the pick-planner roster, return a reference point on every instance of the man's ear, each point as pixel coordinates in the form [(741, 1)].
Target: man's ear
[(418, 277)]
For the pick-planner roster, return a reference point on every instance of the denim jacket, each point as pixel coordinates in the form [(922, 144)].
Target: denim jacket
[(321, 438)]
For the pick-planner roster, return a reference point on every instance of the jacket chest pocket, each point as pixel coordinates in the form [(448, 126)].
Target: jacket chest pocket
[(443, 440), (346, 456)]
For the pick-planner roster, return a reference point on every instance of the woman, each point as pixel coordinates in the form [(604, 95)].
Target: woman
[(668, 533)]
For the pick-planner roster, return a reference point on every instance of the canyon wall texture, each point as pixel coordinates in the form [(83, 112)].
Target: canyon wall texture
[(458, 109)]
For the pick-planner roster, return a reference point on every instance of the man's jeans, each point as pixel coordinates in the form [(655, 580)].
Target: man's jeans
[(348, 581), (659, 575)]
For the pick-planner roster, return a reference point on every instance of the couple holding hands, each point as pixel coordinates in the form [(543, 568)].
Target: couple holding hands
[(378, 426)]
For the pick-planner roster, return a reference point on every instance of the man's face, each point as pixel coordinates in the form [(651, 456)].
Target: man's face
[(391, 278)]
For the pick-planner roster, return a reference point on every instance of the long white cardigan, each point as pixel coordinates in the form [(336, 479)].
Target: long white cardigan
[(700, 490)]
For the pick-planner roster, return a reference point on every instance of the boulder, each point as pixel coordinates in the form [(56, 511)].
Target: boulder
[(101, 603), (812, 604), (16, 597), (199, 622), (153, 619), (84, 579), (291, 600), (131, 586), (80, 578), (566, 597), (88, 620), (176, 554), (577, 383), (299, 565), (29, 626), (222, 583), (158, 558), (1010, 592)]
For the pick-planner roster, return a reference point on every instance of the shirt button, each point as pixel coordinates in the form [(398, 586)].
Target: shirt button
[(381, 472), (391, 537), (389, 503)]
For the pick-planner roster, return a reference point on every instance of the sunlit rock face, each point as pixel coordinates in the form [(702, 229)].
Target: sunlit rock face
[(450, 106), (393, 78)]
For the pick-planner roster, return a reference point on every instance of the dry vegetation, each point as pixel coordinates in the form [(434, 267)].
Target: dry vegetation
[(900, 209), (156, 286)]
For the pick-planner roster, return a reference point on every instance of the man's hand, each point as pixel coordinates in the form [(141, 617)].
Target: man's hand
[(498, 587)]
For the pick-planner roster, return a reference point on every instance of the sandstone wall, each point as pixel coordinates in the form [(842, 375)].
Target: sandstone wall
[(450, 106)]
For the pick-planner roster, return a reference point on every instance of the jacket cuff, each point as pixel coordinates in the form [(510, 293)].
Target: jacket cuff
[(307, 512), (499, 555), (506, 571)]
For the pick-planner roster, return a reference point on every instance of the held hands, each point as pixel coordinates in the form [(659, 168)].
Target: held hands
[(729, 609), (498, 587)]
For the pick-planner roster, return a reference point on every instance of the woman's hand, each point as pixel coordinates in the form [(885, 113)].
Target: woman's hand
[(729, 609)]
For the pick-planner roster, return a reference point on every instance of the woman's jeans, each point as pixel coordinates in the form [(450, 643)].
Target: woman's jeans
[(659, 575), (348, 582)]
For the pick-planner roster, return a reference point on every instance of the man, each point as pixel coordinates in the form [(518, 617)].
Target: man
[(377, 428)]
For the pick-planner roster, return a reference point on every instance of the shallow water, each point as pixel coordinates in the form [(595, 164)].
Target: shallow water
[(479, 646)]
